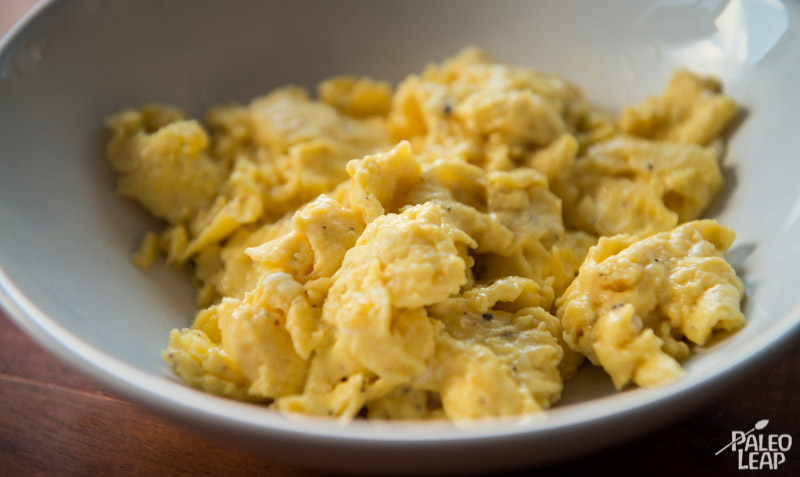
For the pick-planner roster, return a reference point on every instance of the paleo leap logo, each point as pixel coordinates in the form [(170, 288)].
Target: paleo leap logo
[(759, 451)]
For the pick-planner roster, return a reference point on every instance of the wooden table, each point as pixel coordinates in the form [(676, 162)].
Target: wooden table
[(54, 421)]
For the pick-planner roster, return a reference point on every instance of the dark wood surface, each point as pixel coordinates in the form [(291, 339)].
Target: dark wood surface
[(54, 421)]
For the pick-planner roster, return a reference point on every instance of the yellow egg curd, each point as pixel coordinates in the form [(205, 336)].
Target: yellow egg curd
[(451, 248)]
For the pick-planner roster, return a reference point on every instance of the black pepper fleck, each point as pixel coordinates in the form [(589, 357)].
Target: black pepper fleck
[(616, 305), (487, 317), (447, 109), (649, 166)]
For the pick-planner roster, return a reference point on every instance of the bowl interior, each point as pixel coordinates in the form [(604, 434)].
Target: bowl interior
[(66, 237)]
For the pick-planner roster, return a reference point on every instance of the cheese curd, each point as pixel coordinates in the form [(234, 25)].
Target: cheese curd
[(433, 252)]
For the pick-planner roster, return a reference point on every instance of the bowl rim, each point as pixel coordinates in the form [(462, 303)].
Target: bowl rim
[(173, 399)]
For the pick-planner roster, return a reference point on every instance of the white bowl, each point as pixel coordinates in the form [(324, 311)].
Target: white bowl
[(66, 238)]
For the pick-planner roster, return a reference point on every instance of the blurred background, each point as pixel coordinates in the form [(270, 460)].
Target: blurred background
[(11, 11)]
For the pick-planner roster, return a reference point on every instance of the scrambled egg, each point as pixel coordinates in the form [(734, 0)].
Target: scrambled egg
[(451, 249), (635, 300)]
